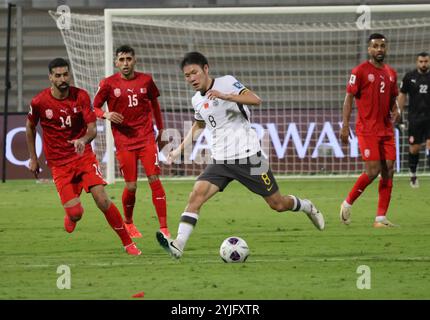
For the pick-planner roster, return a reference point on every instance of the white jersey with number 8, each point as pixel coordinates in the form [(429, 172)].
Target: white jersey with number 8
[(227, 121)]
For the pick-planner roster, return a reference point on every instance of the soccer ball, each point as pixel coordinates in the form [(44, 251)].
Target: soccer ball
[(234, 249)]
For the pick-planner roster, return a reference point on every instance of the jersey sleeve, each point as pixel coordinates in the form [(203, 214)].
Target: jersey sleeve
[(87, 110), (153, 92), (233, 85), (353, 85), (33, 112), (405, 84), (101, 96)]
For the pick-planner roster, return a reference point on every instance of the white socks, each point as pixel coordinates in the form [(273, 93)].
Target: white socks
[(346, 204), (186, 226), (300, 204)]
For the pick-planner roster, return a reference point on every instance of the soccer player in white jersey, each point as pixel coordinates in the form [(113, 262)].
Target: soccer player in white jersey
[(221, 105)]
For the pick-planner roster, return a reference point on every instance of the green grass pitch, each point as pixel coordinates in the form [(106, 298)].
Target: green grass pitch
[(289, 258)]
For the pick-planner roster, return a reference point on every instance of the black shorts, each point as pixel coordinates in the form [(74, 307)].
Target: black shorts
[(253, 172), (418, 131)]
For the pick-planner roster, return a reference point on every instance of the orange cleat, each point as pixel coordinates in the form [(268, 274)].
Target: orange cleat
[(132, 250), (69, 225), (165, 231), (132, 230)]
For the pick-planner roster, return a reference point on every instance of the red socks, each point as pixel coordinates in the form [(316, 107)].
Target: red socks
[(362, 182), (385, 187), (159, 201), (128, 200), (114, 218)]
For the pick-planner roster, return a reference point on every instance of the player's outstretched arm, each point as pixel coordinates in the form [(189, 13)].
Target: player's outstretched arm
[(346, 116), (87, 138), (246, 97), (30, 133), (188, 140)]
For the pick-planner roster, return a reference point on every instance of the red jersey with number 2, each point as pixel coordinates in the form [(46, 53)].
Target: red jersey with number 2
[(131, 98), (62, 121), (374, 90)]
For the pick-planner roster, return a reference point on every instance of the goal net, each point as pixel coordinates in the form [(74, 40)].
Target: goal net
[(298, 64)]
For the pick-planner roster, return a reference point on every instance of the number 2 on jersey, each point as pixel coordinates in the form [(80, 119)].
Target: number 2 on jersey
[(381, 90)]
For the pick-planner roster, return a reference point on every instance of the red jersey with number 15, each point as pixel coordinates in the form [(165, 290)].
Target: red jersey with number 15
[(133, 99), (374, 90), (62, 121)]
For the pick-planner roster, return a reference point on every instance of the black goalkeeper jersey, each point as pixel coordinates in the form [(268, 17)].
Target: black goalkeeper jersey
[(417, 85)]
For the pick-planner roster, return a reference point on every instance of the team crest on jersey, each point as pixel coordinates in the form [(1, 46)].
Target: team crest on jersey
[(366, 153), (143, 90), (206, 105), (371, 77), (117, 92), (49, 113)]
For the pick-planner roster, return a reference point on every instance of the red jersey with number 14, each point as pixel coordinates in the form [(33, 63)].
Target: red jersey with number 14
[(374, 90), (133, 99), (62, 121)]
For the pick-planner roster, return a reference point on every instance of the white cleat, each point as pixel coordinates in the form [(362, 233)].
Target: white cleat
[(169, 245), (414, 183), (315, 216), (345, 214)]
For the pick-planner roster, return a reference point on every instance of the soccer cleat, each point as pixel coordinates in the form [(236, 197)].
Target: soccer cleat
[(345, 214), (132, 230), (69, 225), (414, 183), (169, 245), (165, 231), (315, 216), (132, 250), (384, 224)]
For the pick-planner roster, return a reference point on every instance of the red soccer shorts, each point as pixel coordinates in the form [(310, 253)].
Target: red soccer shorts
[(74, 176), (148, 156), (375, 148)]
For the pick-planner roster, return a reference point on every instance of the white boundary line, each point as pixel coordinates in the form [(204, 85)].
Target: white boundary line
[(212, 261)]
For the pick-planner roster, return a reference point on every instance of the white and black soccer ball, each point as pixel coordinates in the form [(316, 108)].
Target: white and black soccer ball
[(234, 249)]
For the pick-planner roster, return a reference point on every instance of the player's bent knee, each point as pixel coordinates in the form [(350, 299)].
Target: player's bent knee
[(152, 178), (103, 204), (131, 186), (75, 213)]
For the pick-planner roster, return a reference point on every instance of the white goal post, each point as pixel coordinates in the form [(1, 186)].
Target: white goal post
[(297, 59)]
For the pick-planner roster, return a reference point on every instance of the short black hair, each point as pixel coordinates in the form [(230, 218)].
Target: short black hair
[(57, 62), (376, 36), (124, 49), (194, 58), (423, 54)]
